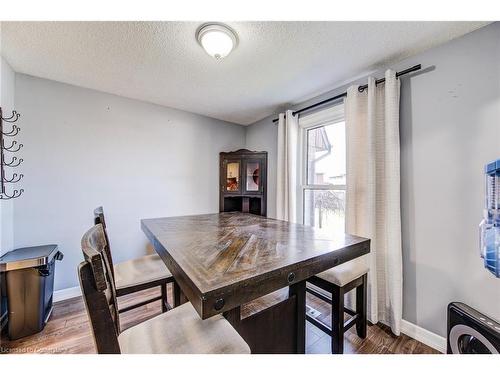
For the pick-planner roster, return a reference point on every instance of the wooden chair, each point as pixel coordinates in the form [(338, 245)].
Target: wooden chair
[(137, 274), (179, 330), (338, 281)]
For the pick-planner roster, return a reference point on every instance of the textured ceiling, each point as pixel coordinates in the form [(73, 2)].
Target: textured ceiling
[(275, 63)]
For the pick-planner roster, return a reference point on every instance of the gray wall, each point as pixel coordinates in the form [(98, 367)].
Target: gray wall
[(7, 83), (262, 136), (450, 128), (84, 148)]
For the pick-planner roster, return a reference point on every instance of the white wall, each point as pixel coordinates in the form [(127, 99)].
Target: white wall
[(84, 148), (450, 128), (7, 83)]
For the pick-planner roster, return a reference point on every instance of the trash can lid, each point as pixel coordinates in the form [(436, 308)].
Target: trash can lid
[(27, 257)]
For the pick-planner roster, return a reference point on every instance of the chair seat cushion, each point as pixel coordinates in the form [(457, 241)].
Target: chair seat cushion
[(140, 271), (346, 272), (181, 330)]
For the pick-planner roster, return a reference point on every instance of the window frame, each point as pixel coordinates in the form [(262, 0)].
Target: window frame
[(328, 116)]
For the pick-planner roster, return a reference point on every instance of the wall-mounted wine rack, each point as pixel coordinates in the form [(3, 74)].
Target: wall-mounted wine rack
[(6, 148)]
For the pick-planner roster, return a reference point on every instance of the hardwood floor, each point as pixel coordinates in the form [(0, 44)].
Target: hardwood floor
[(68, 331), (379, 338)]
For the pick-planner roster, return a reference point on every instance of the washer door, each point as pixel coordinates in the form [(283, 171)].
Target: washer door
[(466, 340)]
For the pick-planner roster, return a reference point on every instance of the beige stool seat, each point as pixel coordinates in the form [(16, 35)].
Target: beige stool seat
[(345, 273), (338, 281), (181, 330), (148, 268)]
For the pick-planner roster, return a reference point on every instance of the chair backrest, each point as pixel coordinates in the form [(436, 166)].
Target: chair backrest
[(99, 216), (99, 219), (99, 292)]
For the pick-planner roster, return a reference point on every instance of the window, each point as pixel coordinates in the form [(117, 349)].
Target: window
[(323, 174)]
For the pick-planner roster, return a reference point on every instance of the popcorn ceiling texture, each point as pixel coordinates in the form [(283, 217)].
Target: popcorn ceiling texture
[(275, 63)]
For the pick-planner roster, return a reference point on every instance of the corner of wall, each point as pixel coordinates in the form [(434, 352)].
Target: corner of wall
[(7, 93)]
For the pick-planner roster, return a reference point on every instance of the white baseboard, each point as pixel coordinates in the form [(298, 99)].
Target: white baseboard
[(64, 294), (421, 334)]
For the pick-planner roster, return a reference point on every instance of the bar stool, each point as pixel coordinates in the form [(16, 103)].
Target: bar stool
[(137, 274), (338, 281), (179, 330)]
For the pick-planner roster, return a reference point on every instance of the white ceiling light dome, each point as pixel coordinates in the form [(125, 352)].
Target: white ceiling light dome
[(217, 40)]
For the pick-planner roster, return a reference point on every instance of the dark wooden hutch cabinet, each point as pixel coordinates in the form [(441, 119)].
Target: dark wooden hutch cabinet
[(243, 181)]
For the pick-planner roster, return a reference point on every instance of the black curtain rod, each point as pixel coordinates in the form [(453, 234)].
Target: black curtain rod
[(360, 89)]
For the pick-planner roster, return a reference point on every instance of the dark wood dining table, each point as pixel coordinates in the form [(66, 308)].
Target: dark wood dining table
[(223, 262)]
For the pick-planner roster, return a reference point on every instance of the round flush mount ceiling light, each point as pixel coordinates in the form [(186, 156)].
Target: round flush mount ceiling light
[(217, 40)]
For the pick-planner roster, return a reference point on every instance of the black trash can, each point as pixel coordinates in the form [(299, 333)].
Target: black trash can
[(29, 284)]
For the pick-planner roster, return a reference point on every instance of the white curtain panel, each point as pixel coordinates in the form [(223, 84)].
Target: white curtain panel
[(286, 186), (373, 192)]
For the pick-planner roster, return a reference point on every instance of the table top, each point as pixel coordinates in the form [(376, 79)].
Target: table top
[(223, 260)]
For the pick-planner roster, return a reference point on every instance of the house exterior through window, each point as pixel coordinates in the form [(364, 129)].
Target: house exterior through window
[(323, 169)]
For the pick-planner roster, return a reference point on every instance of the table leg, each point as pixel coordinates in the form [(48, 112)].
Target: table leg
[(299, 291), (164, 299), (272, 329), (233, 316), (179, 297)]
